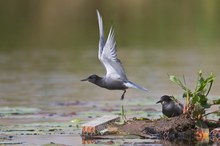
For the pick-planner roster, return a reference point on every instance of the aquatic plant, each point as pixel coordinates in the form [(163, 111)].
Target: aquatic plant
[(197, 99)]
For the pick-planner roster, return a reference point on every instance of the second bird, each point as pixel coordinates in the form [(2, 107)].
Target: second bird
[(170, 108), (115, 78)]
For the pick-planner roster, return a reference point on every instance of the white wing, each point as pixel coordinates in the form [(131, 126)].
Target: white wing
[(101, 34), (107, 54)]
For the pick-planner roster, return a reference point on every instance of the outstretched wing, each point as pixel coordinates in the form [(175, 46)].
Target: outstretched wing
[(108, 54), (101, 34)]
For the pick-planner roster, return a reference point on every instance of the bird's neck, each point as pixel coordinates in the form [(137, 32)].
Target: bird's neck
[(99, 81)]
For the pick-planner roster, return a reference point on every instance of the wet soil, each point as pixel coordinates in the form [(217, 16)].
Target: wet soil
[(181, 127)]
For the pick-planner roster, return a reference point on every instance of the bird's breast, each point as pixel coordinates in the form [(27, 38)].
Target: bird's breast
[(115, 85)]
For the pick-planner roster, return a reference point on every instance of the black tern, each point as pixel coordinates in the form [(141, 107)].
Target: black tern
[(115, 78), (170, 108)]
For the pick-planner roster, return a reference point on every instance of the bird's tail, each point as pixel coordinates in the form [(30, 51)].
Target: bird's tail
[(133, 85)]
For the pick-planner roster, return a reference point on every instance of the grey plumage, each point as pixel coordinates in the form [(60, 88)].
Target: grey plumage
[(170, 108), (115, 78)]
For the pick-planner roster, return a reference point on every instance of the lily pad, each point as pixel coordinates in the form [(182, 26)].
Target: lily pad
[(38, 129), (18, 110)]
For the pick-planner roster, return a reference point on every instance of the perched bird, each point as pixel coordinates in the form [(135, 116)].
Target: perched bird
[(170, 108), (115, 78)]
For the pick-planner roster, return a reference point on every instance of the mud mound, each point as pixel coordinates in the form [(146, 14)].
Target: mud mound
[(176, 127)]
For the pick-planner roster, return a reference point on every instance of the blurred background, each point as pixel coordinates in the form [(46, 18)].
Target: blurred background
[(72, 24), (143, 23), (47, 46)]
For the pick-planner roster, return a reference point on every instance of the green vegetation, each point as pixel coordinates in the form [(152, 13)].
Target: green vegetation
[(7, 111), (197, 100)]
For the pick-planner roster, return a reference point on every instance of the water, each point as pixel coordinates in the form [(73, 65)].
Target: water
[(49, 80)]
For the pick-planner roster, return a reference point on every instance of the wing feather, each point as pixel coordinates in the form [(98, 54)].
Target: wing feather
[(108, 54), (101, 34)]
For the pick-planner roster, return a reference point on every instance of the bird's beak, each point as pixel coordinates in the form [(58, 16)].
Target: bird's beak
[(85, 79), (159, 101)]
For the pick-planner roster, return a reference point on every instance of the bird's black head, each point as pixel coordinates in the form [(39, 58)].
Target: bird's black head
[(92, 79), (164, 99)]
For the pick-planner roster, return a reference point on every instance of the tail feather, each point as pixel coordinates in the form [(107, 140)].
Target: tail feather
[(133, 85)]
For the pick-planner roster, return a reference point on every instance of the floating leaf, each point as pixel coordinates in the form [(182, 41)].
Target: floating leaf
[(18, 110), (76, 121), (216, 101)]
